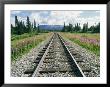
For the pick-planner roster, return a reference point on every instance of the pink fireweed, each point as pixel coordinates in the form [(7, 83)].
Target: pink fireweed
[(91, 41), (19, 47), (86, 39)]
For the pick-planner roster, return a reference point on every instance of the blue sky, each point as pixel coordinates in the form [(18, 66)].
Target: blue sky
[(57, 17)]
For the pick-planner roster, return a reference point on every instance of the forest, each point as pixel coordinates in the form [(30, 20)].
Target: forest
[(30, 27)]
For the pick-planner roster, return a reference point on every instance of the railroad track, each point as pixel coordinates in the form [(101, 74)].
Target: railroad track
[(55, 60)]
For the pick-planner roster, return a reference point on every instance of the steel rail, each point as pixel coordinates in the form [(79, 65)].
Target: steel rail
[(72, 56), (36, 72)]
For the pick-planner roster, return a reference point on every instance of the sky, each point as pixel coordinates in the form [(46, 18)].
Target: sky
[(46, 17)]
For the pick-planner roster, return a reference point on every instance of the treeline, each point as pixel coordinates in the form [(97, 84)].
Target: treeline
[(30, 27), (21, 28), (84, 29)]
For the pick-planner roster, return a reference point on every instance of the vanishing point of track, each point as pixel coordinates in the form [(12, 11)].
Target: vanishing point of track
[(55, 60)]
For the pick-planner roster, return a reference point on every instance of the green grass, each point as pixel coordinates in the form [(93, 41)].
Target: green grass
[(23, 46), (25, 35), (88, 35), (94, 48), (89, 46), (23, 50)]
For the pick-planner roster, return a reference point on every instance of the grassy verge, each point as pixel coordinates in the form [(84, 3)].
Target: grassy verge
[(22, 46), (88, 41), (25, 35), (94, 48)]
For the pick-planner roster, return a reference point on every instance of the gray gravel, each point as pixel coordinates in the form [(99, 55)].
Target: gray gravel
[(58, 68), (90, 60), (24, 63)]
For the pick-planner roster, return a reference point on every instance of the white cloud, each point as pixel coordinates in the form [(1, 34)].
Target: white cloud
[(63, 16), (12, 20), (16, 12), (23, 19), (59, 17), (19, 18), (36, 16), (90, 20), (43, 12), (55, 17)]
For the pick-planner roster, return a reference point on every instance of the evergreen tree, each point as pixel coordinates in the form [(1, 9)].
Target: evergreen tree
[(77, 27), (31, 27), (97, 28), (16, 26), (34, 24), (12, 29), (38, 30), (63, 30), (85, 27), (28, 25), (21, 28), (24, 27), (70, 27), (16, 21)]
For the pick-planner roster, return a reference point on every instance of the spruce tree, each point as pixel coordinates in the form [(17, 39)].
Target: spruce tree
[(38, 30), (16, 21), (28, 25), (34, 24)]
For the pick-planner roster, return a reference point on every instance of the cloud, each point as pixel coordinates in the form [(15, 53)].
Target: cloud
[(54, 17), (91, 20), (59, 17), (63, 16), (15, 12), (12, 20), (19, 18), (38, 18)]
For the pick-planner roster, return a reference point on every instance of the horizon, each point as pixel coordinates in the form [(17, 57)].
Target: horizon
[(57, 17)]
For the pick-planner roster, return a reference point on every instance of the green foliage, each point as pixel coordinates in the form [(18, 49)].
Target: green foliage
[(63, 30), (28, 25), (95, 29), (77, 28), (25, 35), (94, 48), (67, 28), (85, 29), (24, 49), (38, 29), (21, 28), (34, 24), (21, 46)]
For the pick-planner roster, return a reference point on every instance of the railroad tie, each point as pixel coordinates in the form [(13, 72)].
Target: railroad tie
[(29, 71), (36, 61)]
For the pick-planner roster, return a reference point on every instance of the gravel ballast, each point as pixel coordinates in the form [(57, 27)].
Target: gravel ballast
[(24, 63), (91, 62)]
